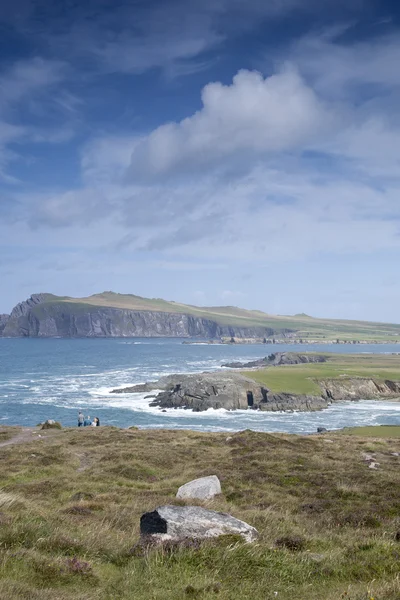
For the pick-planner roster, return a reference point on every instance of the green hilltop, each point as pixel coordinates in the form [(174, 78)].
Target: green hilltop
[(306, 328)]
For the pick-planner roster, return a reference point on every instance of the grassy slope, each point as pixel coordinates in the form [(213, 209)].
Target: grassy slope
[(346, 514), (307, 327), (302, 379), (383, 431)]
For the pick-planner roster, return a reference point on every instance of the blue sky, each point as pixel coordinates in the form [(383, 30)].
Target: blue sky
[(207, 151)]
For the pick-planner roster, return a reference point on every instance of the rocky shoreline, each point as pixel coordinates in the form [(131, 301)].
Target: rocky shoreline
[(231, 390)]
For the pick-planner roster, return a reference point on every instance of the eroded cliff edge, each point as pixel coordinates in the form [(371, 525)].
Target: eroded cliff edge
[(39, 316)]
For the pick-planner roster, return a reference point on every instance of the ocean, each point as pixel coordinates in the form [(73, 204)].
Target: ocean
[(53, 378)]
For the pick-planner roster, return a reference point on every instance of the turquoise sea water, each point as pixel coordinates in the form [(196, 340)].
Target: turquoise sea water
[(53, 378)]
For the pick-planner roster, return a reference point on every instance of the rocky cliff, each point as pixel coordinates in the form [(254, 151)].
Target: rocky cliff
[(355, 388), (39, 316), (233, 391), (3, 322), (278, 359)]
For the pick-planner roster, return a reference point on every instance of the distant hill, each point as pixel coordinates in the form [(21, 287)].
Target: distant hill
[(109, 314)]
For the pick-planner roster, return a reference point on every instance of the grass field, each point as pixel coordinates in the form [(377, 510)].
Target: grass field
[(383, 431), (70, 506), (305, 326), (303, 378)]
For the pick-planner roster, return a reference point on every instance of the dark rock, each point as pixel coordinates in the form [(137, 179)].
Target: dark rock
[(277, 359), (229, 390), (397, 536), (194, 522), (321, 429)]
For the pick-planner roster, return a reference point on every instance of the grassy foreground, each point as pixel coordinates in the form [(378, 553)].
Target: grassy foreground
[(70, 506), (303, 378)]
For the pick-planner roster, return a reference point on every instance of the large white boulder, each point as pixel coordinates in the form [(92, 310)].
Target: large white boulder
[(181, 522), (204, 488)]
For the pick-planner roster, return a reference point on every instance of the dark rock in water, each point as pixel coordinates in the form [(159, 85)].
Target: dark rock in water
[(277, 359), (182, 522), (321, 429), (140, 388)]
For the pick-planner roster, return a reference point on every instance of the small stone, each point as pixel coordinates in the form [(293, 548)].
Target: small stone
[(368, 457), (328, 441), (204, 488), (374, 465), (395, 454)]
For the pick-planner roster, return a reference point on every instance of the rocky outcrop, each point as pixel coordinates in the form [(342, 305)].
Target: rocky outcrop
[(355, 388), (278, 359), (39, 316), (3, 322), (234, 391), (178, 523), (228, 390)]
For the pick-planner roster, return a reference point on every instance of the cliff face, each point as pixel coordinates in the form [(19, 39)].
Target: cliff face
[(3, 322), (355, 388), (231, 391), (39, 318)]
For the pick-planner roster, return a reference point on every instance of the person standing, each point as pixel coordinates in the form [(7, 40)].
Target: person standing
[(81, 419)]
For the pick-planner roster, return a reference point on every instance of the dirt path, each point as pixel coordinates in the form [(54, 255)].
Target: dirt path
[(84, 462), (29, 434)]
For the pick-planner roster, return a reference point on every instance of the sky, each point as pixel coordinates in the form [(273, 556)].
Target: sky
[(212, 152)]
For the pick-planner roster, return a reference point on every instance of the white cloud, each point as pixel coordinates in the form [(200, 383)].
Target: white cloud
[(337, 70), (27, 87), (27, 77), (252, 115)]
